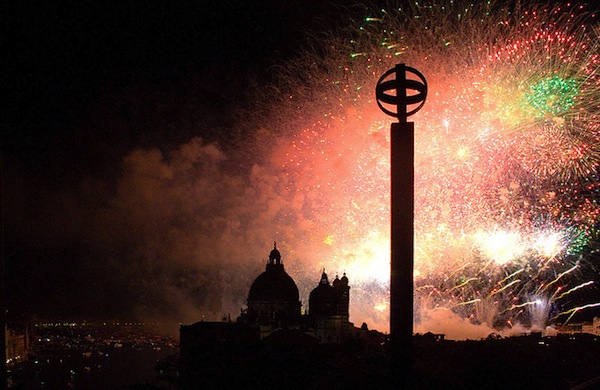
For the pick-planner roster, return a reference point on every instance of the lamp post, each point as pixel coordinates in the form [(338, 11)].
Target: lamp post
[(401, 92)]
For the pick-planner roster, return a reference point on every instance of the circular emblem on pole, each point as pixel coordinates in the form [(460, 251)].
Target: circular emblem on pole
[(399, 88)]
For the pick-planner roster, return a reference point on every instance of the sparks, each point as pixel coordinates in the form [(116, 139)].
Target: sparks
[(506, 161)]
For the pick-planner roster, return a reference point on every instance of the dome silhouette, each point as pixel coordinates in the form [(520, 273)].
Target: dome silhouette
[(274, 285), (323, 300), (273, 298)]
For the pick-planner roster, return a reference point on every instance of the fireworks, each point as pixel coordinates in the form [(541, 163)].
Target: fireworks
[(507, 153)]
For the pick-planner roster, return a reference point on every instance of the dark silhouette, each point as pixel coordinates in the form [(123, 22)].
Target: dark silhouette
[(402, 231), (271, 344)]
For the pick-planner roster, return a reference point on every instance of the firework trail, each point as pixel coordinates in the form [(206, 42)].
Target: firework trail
[(507, 153)]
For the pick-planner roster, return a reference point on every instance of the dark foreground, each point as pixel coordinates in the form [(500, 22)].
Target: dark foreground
[(519, 363), (79, 361)]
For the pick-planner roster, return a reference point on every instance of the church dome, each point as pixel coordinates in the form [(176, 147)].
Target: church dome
[(274, 285), (344, 280), (323, 300), (273, 299)]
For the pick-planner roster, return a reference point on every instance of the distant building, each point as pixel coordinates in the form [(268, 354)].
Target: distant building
[(328, 310), (273, 304), (588, 327), (272, 328), (273, 300), (592, 327), (17, 342)]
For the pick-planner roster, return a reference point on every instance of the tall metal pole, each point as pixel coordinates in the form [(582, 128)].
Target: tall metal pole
[(402, 138), (402, 246)]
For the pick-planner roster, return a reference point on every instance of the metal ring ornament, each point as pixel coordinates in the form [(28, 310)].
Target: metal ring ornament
[(401, 84)]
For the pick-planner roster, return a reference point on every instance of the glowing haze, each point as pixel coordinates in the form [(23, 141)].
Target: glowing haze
[(506, 156), (507, 153)]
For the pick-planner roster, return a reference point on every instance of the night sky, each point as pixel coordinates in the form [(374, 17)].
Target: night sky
[(141, 180), (88, 84)]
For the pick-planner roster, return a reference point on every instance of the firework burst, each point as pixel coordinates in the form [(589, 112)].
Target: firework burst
[(507, 154)]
